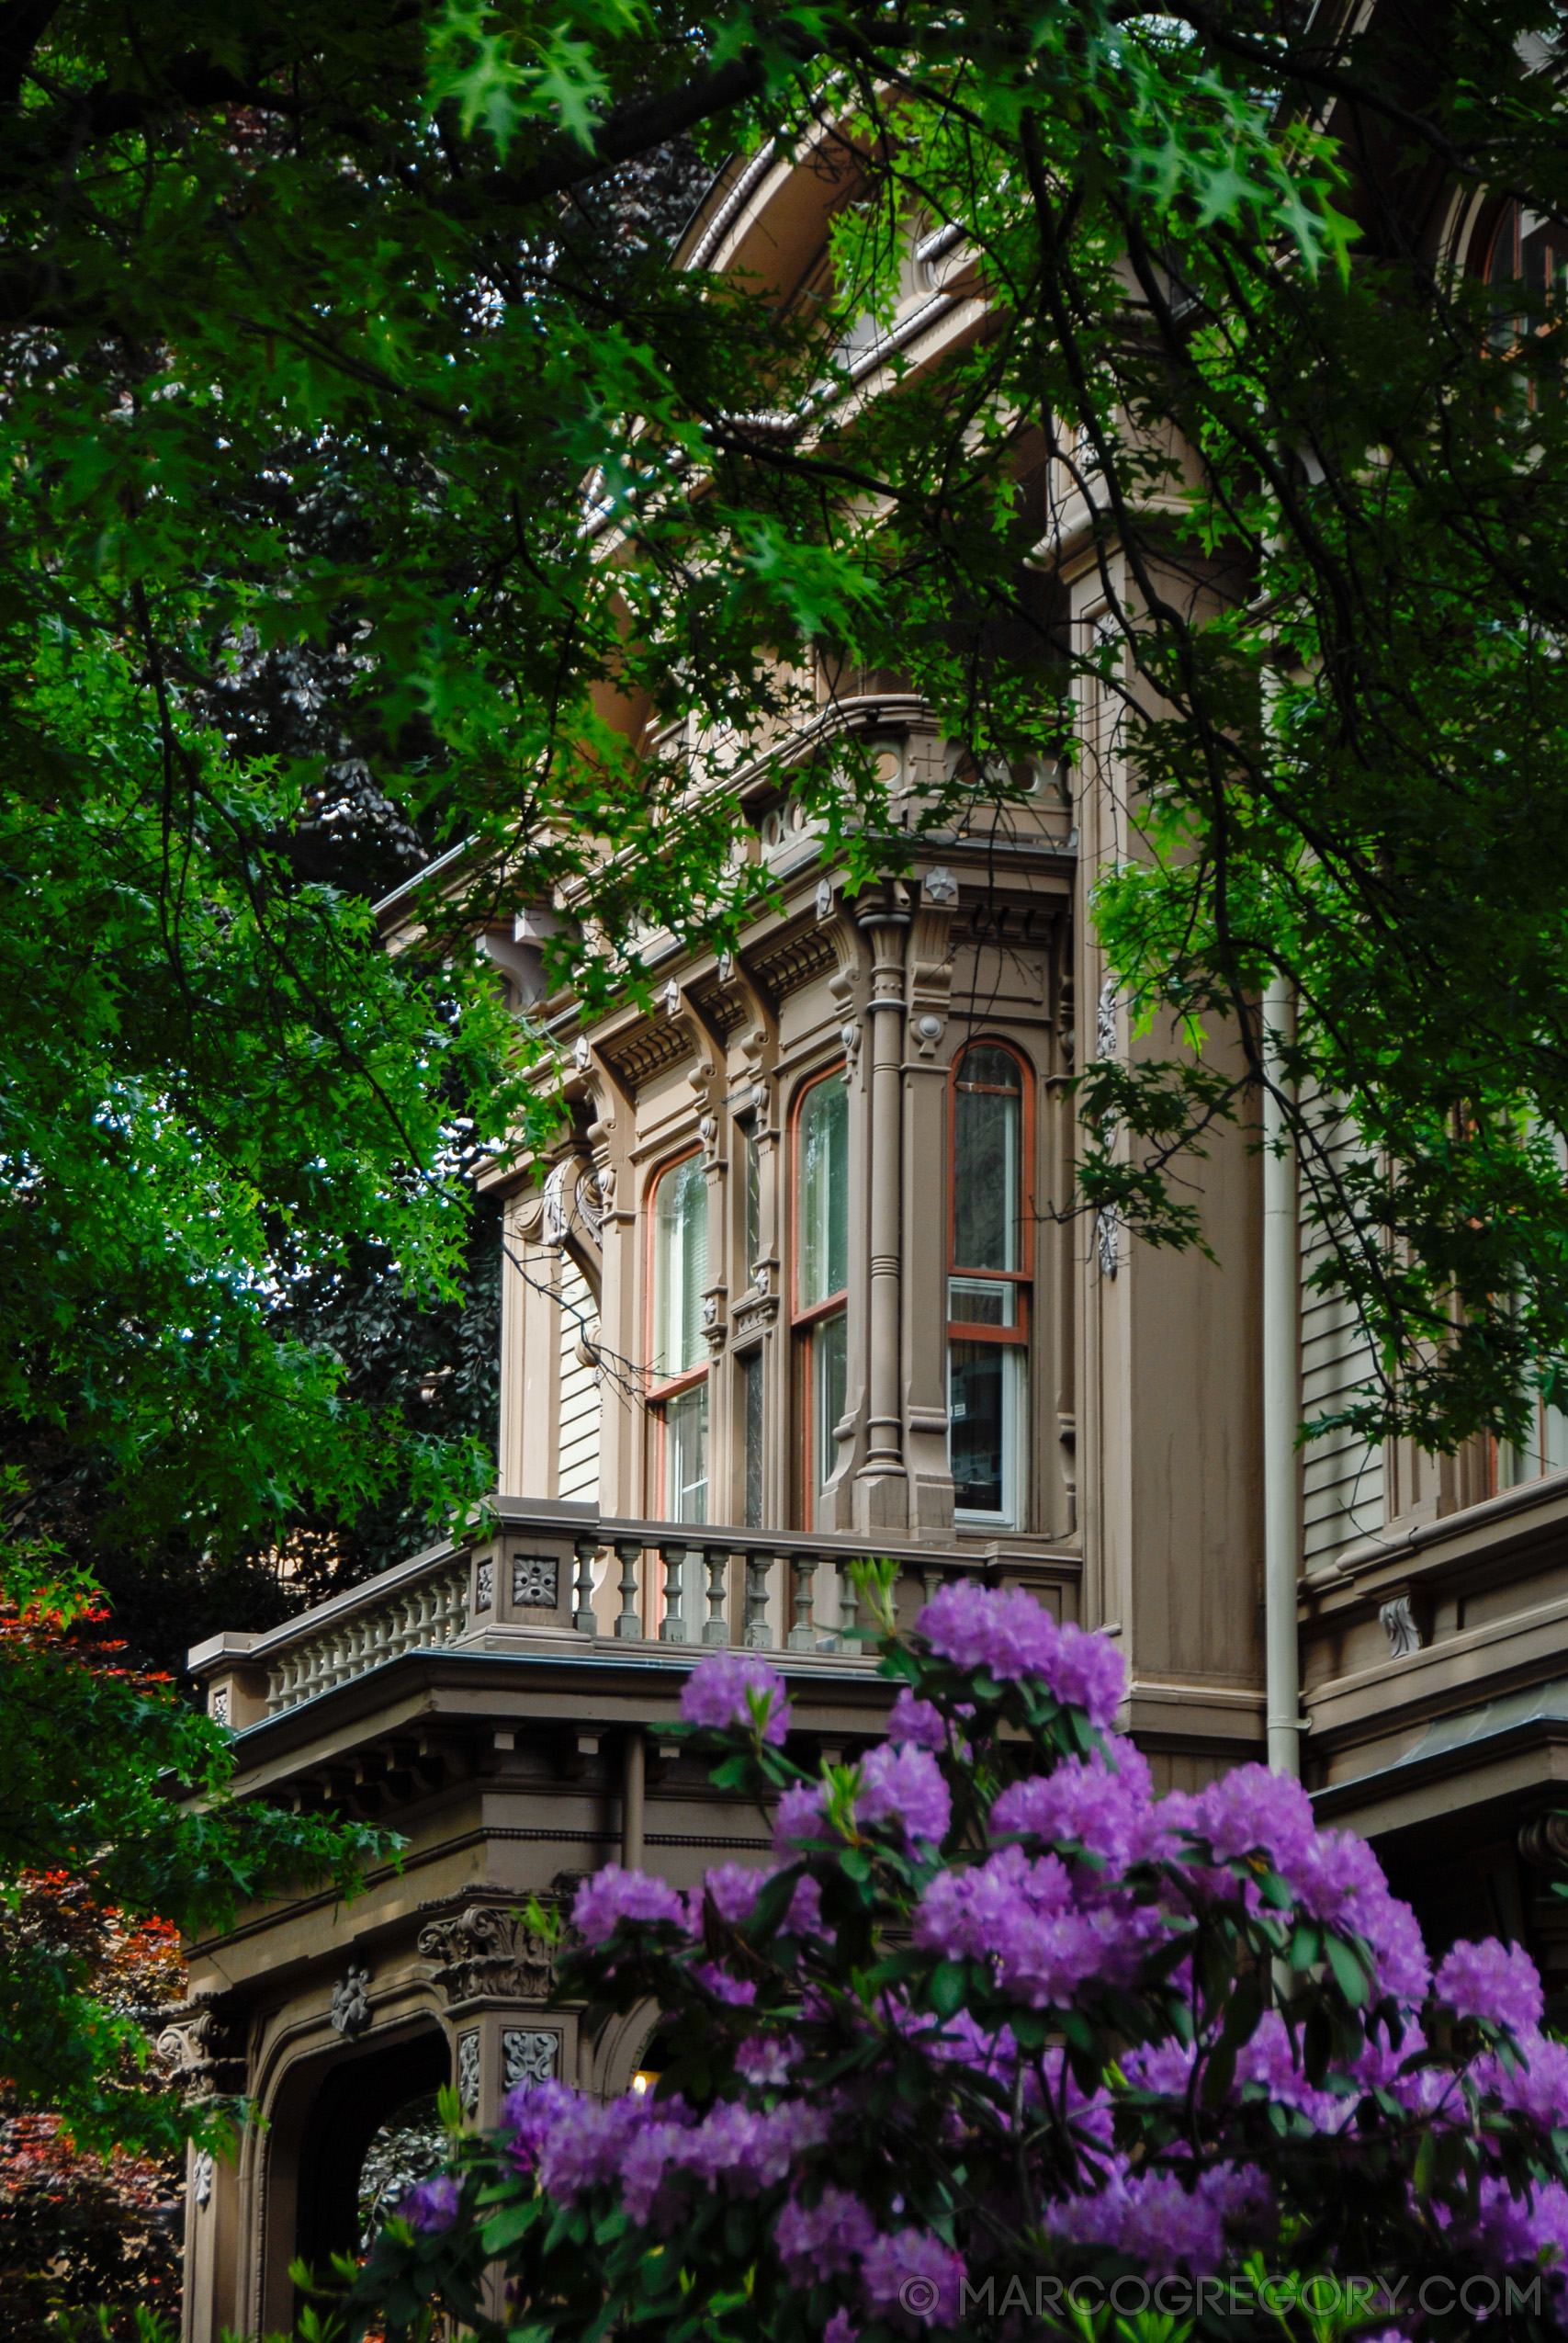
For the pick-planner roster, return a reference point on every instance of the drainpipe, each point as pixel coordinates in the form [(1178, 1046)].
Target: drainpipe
[(1281, 1407)]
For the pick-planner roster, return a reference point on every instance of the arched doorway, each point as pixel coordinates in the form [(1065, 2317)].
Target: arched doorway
[(383, 2099)]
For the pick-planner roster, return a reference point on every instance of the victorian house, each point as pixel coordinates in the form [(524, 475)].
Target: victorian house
[(790, 1291)]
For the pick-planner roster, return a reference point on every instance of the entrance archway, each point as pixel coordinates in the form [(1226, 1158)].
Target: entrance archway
[(355, 2102)]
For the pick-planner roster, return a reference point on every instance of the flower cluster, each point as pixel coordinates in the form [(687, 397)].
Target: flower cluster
[(575, 2144), (1011, 1636), (1132, 1979), (431, 2206), (734, 1691), (1497, 1983)]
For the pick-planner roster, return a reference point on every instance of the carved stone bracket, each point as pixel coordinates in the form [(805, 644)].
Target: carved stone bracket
[(488, 1954), (201, 2042), (350, 2012), (1544, 1841), (1401, 1625)]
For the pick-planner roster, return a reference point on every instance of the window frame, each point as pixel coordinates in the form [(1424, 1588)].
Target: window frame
[(1019, 1337), (804, 1321), (662, 1391), (1022, 1277)]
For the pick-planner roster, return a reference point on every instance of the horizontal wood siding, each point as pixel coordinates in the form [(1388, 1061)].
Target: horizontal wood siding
[(1342, 1491), (577, 1453)]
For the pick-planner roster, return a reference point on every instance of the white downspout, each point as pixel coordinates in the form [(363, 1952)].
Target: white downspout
[(1281, 1407)]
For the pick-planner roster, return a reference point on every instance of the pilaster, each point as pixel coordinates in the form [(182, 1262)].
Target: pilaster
[(928, 995), (882, 1493)]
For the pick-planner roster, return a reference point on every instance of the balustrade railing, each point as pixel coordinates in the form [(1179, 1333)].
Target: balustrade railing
[(662, 1582), (422, 1614)]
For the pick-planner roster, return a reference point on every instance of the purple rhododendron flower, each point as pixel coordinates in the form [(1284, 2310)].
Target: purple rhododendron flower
[(1109, 1809), (1163, 2224), (1497, 1983), (611, 1895), (1047, 1919), (1011, 1635), (1252, 1811), (738, 1992), (734, 1889), (1536, 2083), (904, 1785), (720, 1692), (431, 2206), (800, 1815), (1022, 1917), (917, 1722), (765, 2059), (914, 2272), (805, 1914), (824, 2239)]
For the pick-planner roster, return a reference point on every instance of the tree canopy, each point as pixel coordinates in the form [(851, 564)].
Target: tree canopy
[(117, 1825), (373, 476)]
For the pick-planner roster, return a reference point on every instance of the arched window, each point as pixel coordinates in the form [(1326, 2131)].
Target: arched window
[(1531, 254), (988, 1287), (679, 1361), (821, 1272)]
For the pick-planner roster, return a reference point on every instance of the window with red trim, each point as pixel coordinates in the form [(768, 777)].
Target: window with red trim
[(989, 1265), (821, 1276)]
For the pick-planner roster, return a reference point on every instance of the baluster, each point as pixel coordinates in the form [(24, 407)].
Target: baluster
[(583, 1620), (849, 1609), (803, 1634), (672, 1626), (714, 1630), (630, 1620), (932, 1578), (756, 1569)]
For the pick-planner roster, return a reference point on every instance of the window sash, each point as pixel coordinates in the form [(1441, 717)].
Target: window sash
[(822, 1194), (685, 1430), (988, 1432), (679, 1269)]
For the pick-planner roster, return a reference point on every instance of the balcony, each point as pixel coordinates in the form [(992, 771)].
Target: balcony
[(557, 1581)]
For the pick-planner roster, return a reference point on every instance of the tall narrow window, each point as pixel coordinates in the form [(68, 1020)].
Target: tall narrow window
[(751, 1366), (821, 1278), (679, 1364), (1530, 253), (751, 1233), (988, 1288)]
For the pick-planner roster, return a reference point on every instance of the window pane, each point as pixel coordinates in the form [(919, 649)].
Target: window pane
[(823, 1206), (985, 1385), (751, 1398), (686, 1456), (828, 1356), (681, 1267), (977, 1301), (988, 1105), (753, 1209)]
